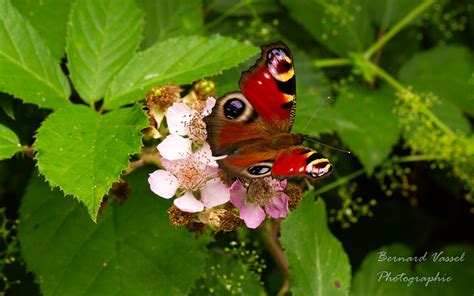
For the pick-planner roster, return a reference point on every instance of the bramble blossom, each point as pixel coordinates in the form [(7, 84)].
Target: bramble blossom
[(185, 125), (267, 193), (188, 174)]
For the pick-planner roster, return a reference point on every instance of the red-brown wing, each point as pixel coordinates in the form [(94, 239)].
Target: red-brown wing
[(232, 124), (270, 87), (256, 161), (300, 161)]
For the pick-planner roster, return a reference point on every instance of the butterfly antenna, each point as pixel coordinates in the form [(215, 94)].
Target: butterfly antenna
[(316, 112), (307, 138)]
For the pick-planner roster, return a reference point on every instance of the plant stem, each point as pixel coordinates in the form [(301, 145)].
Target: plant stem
[(400, 88), (414, 158), (397, 28), (331, 62), (387, 77), (339, 182), (270, 237), (437, 122), (28, 151)]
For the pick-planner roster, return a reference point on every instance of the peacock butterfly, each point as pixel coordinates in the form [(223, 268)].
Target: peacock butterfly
[(253, 127)]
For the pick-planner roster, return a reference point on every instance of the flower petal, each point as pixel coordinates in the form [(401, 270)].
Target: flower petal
[(252, 214), (278, 208), (277, 184), (204, 155), (175, 147), (188, 203), (238, 193), (163, 183), (177, 117), (214, 193), (210, 103)]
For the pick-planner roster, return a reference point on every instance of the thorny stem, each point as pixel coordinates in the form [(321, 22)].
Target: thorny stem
[(397, 28), (270, 237)]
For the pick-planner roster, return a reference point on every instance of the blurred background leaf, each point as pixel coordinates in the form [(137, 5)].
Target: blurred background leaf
[(170, 18)]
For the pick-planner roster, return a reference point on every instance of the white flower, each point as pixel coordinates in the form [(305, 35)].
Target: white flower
[(184, 122), (196, 172)]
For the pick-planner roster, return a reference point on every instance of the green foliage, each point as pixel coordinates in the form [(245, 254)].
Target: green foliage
[(102, 38), (314, 114), (170, 18), (179, 60), (445, 71), (370, 280), (9, 142), (91, 61), (37, 76), (318, 263), (342, 26), (430, 136), (366, 123), (130, 251), (10, 251), (225, 275), (366, 278), (49, 18), (84, 152), (386, 13)]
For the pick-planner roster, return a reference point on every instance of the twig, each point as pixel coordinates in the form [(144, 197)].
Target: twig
[(270, 237)]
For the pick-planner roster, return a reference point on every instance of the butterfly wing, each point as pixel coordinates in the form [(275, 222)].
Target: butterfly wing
[(233, 124), (253, 127), (270, 86), (266, 105), (292, 162)]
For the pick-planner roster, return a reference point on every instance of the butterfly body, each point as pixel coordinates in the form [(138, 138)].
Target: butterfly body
[(253, 127)]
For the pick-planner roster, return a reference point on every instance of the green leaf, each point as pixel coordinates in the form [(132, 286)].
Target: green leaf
[(366, 279), (318, 263), (102, 37), (386, 13), (226, 275), (27, 68), (9, 142), (170, 18), (179, 60), (131, 250), (378, 277), (6, 103), (445, 71), (49, 18), (461, 272), (84, 152), (313, 113), (366, 123), (342, 26)]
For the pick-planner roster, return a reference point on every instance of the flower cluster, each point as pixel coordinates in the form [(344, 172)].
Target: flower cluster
[(264, 196), (426, 134), (190, 172)]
